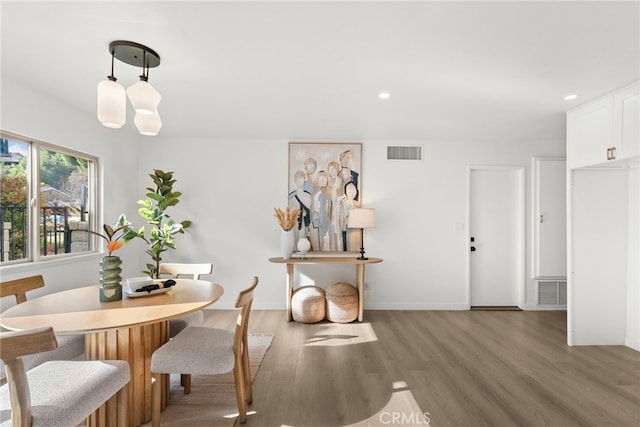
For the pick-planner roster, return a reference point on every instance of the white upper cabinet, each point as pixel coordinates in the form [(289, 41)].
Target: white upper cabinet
[(604, 130), (626, 126), (589, 133)]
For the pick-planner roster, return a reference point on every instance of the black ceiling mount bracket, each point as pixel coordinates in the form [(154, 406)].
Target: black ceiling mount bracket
[(133, 53)]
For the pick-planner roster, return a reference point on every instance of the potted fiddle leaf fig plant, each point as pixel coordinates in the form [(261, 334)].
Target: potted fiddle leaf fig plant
[(162, 228)]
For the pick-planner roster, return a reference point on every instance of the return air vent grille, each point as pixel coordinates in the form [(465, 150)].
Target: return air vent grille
[(404, 153), (552, 292)]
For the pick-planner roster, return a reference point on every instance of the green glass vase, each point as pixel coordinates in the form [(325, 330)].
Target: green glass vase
[(110, 286)]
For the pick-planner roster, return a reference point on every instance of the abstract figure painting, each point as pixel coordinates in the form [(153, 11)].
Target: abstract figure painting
[(325, 183)]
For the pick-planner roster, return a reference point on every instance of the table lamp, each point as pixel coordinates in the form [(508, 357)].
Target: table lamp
[(361, 218)]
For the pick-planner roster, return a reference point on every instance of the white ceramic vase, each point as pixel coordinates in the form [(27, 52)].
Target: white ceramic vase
[(287, 242)]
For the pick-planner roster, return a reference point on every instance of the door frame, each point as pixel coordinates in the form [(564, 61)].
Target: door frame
[(521, 244)]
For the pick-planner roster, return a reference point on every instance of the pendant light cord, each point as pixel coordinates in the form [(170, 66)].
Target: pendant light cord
[(145, 67), (112, 77)]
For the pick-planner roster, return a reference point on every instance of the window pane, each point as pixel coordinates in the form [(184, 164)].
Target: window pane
[(14, 200), (52, 217), (64, 195)]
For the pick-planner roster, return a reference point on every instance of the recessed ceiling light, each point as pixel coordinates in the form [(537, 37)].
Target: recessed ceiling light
[(570, 97), (384, 95)]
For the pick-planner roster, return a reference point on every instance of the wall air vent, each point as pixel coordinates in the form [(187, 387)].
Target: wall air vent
[(404, 153), (552, 292)]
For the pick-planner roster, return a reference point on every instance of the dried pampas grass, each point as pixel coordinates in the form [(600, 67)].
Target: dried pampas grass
[(287, 218)]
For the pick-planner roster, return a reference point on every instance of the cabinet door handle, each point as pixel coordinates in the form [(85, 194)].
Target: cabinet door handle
[(613, 153), (608, 153)]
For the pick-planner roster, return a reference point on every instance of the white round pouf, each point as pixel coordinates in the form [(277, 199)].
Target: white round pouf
[(308, 304), (342, 302)]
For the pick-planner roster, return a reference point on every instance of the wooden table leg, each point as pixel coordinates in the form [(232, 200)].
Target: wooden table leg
[(135, 345), (360, 286), (289, 290)]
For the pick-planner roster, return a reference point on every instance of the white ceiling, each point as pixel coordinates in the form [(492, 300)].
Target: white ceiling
[(472, 71)]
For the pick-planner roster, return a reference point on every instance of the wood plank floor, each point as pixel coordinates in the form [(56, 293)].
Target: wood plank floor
[(461, 368)]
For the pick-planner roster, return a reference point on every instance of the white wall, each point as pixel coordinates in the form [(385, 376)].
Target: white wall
[(35, 116), (230, 188)]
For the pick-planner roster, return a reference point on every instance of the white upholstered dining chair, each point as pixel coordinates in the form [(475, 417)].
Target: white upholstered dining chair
[(201, 350), (56, 393), (177, 270), (70, 347)]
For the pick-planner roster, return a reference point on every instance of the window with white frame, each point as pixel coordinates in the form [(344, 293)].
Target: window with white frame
[(47, 200)]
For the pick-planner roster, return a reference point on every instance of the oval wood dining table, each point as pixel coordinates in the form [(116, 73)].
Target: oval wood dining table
[(130, 329)]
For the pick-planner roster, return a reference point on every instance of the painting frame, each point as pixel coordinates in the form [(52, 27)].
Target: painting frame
[(325, 183)]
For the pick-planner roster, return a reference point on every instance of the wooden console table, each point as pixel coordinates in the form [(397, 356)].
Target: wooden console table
[(359, 263)]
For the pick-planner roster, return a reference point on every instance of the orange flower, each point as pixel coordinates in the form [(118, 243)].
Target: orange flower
[(114, 245)]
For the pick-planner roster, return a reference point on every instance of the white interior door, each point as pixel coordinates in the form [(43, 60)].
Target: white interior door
[(550, 218), (496, 236)]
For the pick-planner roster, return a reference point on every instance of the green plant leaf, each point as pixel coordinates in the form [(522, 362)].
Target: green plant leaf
[(122, 220), (108, 230), (156, 197)]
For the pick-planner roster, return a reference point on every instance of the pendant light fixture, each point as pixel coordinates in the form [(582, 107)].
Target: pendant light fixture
[(143, 97), (148, 124), (112, 101)]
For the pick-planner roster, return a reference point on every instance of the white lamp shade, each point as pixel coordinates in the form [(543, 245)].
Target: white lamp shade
[(148, 124), (361, 218), (112, 104), (144, 97)]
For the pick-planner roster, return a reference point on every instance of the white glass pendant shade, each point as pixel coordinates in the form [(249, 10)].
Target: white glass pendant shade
[(112, 104), (148, 124), (144, 97)]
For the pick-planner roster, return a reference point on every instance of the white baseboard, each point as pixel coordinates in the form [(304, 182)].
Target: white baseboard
[(229, 305), (634, 344), (415, 306)]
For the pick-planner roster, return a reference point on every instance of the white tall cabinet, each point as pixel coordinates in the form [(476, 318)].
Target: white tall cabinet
[(603, 188)]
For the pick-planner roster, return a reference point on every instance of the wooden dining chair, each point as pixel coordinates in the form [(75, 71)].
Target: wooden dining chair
[(55, 393), (201, 350), (70, 347), (177, 270)]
